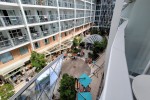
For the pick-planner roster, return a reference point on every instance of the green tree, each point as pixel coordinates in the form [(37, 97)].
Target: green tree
[(38, 60), (67, 88), (6, 91), (98, 47), (76, 41)]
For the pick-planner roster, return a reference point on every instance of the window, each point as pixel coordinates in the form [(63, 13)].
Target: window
[(54, 38), (46, 41), (6, 57), (23, 50), (65, 33), (36, 45)]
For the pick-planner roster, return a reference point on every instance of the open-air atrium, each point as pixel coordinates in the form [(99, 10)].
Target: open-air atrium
[(74, 50)]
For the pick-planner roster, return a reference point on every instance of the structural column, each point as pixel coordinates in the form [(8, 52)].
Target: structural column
[(26, 24), (59, 24)]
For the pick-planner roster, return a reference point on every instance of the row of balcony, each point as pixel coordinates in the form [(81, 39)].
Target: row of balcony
[(66, 16), (68, 4), (12, 38), (36, 1), (18, 20), (9, 39), (10, 1), (79, 22), (10, 20)]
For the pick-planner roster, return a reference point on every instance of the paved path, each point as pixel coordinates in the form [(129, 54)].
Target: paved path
[(96, 79), (75, 67)]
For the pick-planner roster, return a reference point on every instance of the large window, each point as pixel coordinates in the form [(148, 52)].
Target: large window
[(46, 41), (6, 57), (23, 50), (36, 45)]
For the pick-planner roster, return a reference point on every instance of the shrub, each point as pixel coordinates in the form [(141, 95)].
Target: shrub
[(6, 91), (67, 88), (77, 41), (38, 60)]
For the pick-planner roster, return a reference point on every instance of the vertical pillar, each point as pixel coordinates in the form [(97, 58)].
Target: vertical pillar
[(59, 24), (26, 24), (75, 15)]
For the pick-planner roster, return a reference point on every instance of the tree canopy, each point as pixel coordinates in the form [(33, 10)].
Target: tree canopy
[(6, 91), (37, 60), (67, 88)]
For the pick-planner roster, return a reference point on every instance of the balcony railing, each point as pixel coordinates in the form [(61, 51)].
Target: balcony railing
[(80, 6), (80, 15), (36, 35), (10, 20), (88, 0), (78, 23), (66, 16), (8, 43), (5, 44), (9, 1), (87, 14), (45, 32), (41, 18), (88, 6), (20, 39), (66, 26), (66, 4), (40, 2), (117, 75)]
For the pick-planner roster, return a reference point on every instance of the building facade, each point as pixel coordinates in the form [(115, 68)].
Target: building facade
[(39, 25), (104, 12)]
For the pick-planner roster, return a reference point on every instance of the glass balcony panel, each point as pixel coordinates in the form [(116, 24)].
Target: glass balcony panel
[(10, 1), (12, 20), (43, 18), (56, 29), (27, 1), (20, 39), (80, 6), (53, 17), (66, 4), (66, 16), (51, 3), (35, 35), (45, 32), (31, 19), (40, 2), (5, 43)]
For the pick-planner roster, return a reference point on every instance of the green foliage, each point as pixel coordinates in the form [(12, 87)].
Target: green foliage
[(38, 60), (67, 88), (94, 31), (98, 47), (76, 41), (76, 50), (6, 91), (82, 44)]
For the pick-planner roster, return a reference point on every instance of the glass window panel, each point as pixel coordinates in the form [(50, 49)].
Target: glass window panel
[(6, 57), (23, 50)]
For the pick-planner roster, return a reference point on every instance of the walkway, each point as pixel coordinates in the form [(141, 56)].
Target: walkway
[(96, 79)]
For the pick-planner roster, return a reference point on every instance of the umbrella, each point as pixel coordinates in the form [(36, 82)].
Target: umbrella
[(84, 80), (84, 96)]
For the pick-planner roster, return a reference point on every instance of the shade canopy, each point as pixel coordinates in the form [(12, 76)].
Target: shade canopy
[(84, 80), (92, 38), (84, 96)]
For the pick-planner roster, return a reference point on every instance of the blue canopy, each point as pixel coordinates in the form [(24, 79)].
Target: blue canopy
[(85, 80), (84, 96)]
